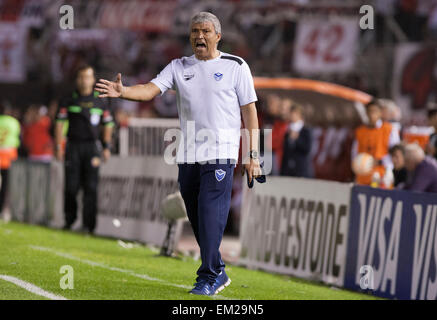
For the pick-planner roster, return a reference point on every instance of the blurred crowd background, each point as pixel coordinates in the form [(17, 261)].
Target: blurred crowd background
[(312, 39)]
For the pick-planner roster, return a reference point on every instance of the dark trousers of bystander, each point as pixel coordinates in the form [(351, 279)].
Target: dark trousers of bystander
[(82, 161), (4, 187)]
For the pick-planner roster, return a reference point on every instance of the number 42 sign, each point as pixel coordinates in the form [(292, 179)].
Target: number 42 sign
[(326, 46)]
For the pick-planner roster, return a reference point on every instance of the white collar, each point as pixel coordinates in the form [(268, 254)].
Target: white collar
[(296, 126), (378, 124), (213, 59)]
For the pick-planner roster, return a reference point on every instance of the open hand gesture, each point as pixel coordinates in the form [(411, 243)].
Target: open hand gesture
[(110, 89)]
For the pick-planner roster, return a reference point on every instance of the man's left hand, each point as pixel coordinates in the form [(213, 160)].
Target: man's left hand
[(253, 169)]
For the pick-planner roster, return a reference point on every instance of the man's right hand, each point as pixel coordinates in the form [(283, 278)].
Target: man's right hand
[(110, 89)]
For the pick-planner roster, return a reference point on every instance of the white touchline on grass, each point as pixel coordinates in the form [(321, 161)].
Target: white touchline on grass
[(31, 288), (130, 272)]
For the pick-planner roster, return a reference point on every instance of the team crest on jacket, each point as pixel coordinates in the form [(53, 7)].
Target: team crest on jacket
[(220, 174), (218, 76)]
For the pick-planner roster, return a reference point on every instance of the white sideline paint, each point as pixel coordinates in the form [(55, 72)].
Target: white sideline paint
[(126, 271), (31, 288)]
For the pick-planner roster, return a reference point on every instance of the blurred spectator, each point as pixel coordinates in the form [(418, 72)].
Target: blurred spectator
[(52, 110), (431, 148), (121, 118), (329, 143), (391, 113), (341, 164), (432, 21), (375, 138), (411, 23), (423, 169), (9, 143), (279, 129), (384, 9), (272, 110), (36, 134), (296, 160), (268, 112), (400, 173)]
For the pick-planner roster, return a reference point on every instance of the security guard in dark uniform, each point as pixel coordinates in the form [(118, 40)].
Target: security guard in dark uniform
[(86, 115)]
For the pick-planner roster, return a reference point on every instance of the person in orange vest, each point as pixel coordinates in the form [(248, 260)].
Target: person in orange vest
[(375, 138)]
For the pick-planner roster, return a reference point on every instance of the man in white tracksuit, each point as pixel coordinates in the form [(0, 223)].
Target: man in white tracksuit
[(213, 90)]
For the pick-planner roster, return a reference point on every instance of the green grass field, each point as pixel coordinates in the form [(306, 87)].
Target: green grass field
[(105, 270)]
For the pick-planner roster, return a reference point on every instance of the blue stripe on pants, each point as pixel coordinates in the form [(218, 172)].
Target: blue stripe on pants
[(208, 201)]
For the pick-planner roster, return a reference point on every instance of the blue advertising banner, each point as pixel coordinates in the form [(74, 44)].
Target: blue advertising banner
[(392, 243)]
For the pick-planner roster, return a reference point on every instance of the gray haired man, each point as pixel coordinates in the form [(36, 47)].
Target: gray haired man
[(213, 90)]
